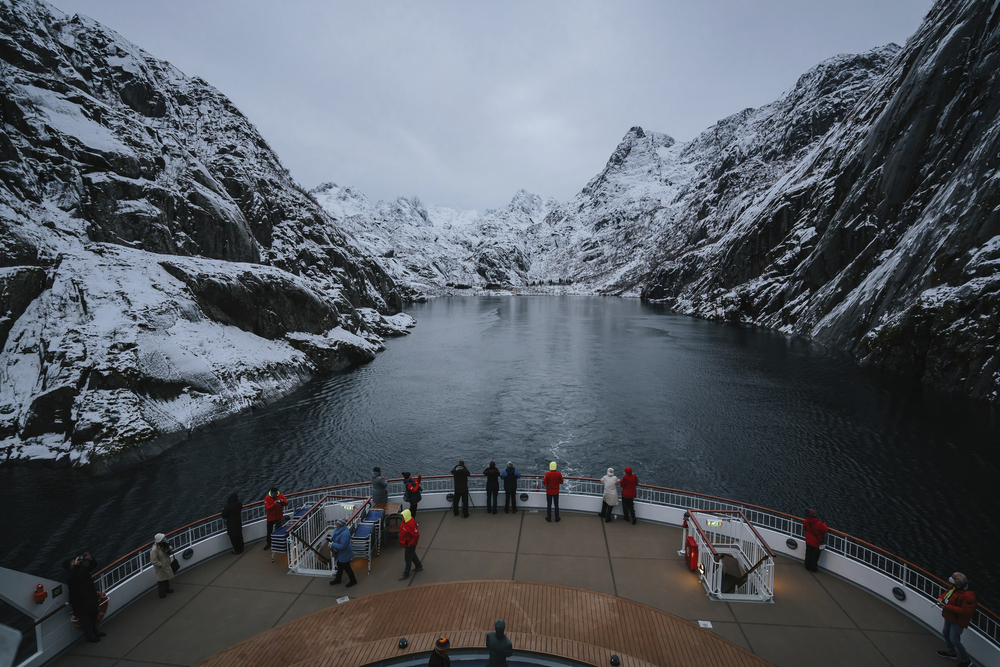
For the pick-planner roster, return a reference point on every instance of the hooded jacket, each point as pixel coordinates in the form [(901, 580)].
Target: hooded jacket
[(815, 530), (959, 607), (412, 490), (159, 556), (499, 645), (275, 506), (492, 478), (552, 480), (610, 488), (409, 535), (232, 513), (380, 485), (341, 541), (83, 597), (510, 475), (629, 484)]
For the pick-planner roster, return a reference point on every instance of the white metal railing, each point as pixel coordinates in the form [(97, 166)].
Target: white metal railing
[(908, 576), (719, 535), (306, 535)]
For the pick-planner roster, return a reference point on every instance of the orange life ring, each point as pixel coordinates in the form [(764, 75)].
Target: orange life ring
[(102, 609)]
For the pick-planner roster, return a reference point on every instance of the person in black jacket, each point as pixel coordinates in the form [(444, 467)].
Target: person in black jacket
[(83, 597), (461, 475), (233, 514), (510, 476), (492, 487)]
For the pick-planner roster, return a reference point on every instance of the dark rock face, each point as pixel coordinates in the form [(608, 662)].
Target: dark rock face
[(267, 306), (886, 239), (158, 265)]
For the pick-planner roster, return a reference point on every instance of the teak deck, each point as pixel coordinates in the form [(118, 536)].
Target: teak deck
[(557, 620)]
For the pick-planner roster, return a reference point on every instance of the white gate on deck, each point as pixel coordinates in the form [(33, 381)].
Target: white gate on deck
[(734, 561), (307, 536)]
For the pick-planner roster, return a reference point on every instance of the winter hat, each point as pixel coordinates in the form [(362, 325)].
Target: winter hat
[(552, 466), (510, 464), (493, 464), (406, 515), (340, 523), (628, 470), (159, 537), (611, 471), (376, 469), (811, 514), (442, 644)]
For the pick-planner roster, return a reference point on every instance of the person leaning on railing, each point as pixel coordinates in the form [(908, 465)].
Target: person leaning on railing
[(159, 557), (83, 596), (380, 485), (958, 604), (815, 531)]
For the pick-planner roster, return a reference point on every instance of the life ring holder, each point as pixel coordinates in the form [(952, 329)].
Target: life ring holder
[(102, 609)]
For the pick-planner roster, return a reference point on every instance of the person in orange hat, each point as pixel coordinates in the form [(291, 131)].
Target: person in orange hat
[(439, 656)]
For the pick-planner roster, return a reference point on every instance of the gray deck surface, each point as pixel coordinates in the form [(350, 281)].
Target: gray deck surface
[(817, 619)]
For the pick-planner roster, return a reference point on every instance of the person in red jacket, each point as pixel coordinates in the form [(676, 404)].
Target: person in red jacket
[(957, 606), (412, 493), (629, 483), (275, 504), (552, 481), (815, 531), (409, 535)]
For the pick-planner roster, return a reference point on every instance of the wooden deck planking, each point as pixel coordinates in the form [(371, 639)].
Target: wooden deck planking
[(572, 623)]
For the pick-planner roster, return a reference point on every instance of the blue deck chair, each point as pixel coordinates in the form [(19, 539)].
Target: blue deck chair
[(363, 542)]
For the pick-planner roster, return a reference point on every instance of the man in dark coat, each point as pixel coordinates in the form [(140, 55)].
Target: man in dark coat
[(461, 475), (233, 514), (83, 597), (499, 645), (492, 487), (510, 475), (380, 485)]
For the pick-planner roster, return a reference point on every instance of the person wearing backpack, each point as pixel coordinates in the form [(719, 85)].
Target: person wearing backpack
[(412, 493)]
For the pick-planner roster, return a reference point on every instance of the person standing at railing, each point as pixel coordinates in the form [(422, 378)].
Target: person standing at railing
[(83, 597), (492, 474), (629, 484), (958, 604), (380, 487), (159, 556), (340, 549), (275, 504), (409, 535), (510, 475), (412, 494), (461, 475), (610, 498), (552, 481), (233, 515), (815, 531)]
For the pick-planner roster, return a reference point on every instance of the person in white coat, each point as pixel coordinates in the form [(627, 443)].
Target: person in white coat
[(159, 556), (610, 498)]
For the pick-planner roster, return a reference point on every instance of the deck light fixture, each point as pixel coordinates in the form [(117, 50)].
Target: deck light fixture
[(524, 497), (791, 544), (402, 642), (187, 553), (615, 661), (898, 593)]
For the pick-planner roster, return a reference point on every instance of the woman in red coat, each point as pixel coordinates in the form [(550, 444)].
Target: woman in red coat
[(957, 606), (815, 531), (629, 483)]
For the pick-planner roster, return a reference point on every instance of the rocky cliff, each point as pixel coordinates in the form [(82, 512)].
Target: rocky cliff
[(159, 268), (885, 238)]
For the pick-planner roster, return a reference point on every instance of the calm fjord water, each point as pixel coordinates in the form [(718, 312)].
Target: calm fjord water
[(591, 383)]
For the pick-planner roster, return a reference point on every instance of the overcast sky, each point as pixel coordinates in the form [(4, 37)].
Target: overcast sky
[(464, 103)]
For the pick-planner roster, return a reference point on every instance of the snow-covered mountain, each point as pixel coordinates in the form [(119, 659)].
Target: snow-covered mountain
[(159, 268), (430, 248)]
